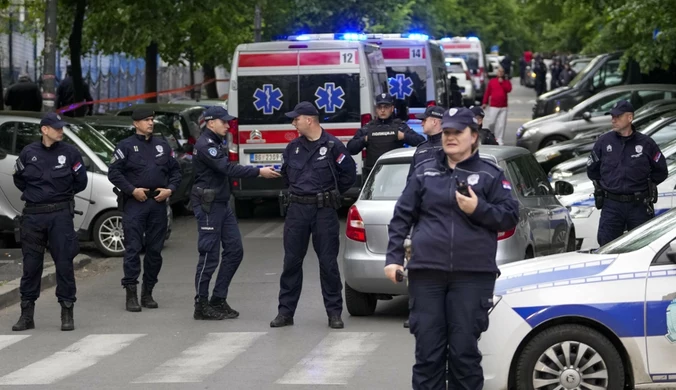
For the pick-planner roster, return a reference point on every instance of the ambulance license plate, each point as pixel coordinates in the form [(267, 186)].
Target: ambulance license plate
[(266, 157)]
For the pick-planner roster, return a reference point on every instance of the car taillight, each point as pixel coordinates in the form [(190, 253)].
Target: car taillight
[(431, 103), (365, 118), (233, 147), (411, 116), (467, 75), (507, 234), (355, 226)]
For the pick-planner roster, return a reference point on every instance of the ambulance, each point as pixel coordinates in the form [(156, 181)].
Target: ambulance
[(340, 73), (472, 50)]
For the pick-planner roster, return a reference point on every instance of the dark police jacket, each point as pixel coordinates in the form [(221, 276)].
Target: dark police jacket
[(141, 163), (213, 169), (444, 237), (382, 137), (623, 165), (310, 168), (49, 175), (425, 151)]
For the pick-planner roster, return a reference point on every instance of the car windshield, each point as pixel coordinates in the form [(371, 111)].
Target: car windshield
[(387, 181), (454, 67), (641, 236), (95, 141), (471, 59), (584, 71)]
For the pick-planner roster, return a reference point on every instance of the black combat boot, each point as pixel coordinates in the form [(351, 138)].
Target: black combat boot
[(335, 322), (204, 311), (280, 321), (132, 298), (26, 320), (147, 297), (221, 306), (67, 322)]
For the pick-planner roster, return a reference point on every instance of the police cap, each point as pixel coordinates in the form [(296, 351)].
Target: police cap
[(303, 108), (52, 120), (385, 98), (620, 108), (432, 111), (478, 111), (140, 114), (458, 119), (217, 112)]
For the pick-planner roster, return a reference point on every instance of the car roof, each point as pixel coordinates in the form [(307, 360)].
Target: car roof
[(307, 45), (164, 107), (109, 120), (499, 153), (632, 87)]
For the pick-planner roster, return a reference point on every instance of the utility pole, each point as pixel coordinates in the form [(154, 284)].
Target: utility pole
[(49, 71), (257, 22), (11, 48)]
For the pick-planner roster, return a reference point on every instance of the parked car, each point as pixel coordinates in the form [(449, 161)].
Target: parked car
[(186, 119), (545, 225), (456, 67), (589, 114), (494, 61), (115, 129), (206, 103), (599, 320), (579, 64), (100, 221)]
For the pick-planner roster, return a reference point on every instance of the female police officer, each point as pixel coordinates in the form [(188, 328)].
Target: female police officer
[(452, 269)]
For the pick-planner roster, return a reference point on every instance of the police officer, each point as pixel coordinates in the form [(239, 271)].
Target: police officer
[(49, 173), (382, 134), (146, 174), (485, 135), (317, 169), (624, 165), (452, 269), (431, 123), (216, 222)]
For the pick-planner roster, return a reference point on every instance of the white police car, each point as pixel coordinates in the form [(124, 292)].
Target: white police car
[(603, 320)]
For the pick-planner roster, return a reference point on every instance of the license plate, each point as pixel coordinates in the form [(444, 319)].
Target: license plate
[(266, 157)]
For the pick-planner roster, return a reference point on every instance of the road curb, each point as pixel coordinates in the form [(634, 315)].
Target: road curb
[(9, 292)]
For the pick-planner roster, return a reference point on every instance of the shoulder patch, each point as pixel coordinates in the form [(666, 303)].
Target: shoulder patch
[(213, 152)]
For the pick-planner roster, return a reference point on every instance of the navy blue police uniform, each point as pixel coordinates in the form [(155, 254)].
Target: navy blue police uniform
[(622, 168), (316, 173), (143, 162), (425, 149), (452, 269), (383, 136), (49, 177), (216, 222)]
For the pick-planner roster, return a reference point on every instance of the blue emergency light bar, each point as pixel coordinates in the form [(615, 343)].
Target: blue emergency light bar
[(349, 36), (448, 39)]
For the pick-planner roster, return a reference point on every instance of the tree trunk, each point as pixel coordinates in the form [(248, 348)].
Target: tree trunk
[(49, 70), (152, 53), (75, 47), (210, 73)]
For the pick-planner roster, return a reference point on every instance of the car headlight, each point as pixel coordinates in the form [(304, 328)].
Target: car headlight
[(581, 211), (527, 133), (496, 300), (561, 174), (557, 109)]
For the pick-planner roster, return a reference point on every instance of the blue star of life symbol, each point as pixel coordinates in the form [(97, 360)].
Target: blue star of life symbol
[(400, 86), (268, 99), (330, 98)]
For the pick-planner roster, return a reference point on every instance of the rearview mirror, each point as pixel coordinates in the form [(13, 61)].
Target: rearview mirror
[(586, 115), (563, 188)]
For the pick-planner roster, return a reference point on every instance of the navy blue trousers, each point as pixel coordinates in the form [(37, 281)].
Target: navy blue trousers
[(616, 217), (218, 227), (448, 313), (322, 223), (57, 230), (149, 218)]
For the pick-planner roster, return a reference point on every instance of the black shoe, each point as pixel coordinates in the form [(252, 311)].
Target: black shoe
[(280, 321), (336, 323), (132, 298), (67, 322), (221, 306), (26, 320), (147, 298), (204, 311), (406, 325)]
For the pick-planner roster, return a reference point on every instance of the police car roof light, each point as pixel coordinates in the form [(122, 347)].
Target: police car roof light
[(422, 37), (303, 37), (351, 36), (445, 39)]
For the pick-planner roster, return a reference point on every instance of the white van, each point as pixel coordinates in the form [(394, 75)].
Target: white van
[(472, 50), (340, 73)]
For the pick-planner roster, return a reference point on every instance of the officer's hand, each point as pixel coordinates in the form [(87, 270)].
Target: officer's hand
[(269, 173), (400, 135), (391, 272), (366, 138), (467, 204), (140, 194), (163, 195)]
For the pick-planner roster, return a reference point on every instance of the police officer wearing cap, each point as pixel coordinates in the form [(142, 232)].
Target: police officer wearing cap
[(145, 174), (49, 173), (626, 166), (452, 268), (317, 169), (431, 123), (216, 222), (382, 134), (485, 135)]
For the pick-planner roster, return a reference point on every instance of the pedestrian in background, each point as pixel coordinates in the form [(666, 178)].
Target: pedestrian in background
[(496, 100), (486, 136), (24, 95)]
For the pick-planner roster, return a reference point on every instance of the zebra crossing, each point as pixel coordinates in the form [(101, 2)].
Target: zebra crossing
[(334, 360)]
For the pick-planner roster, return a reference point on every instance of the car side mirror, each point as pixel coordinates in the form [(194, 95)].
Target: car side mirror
[(188, 148), (586, 115), (87, 162), (563, 188)]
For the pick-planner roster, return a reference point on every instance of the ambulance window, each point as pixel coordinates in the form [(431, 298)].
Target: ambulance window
[(263, 100), (471, 59), (378, 79), (335, 95), (409, 83)]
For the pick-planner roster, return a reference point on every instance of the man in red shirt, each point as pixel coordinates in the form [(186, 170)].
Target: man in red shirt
[(496, 100)]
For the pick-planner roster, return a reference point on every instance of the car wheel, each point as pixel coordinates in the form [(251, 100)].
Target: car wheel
[(359, 303), (569, 357), (559, 239), (572, 242), (553, 140), (108, 234)]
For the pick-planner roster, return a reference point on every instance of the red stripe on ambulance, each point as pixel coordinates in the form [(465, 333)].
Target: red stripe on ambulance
[(285, 136), (268, 59)]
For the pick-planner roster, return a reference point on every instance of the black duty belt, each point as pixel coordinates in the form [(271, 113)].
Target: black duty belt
[(637, 197), (43, 208), (309, 199)]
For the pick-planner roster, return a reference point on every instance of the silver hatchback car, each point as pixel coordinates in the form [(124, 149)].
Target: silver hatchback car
[(545, 226)]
